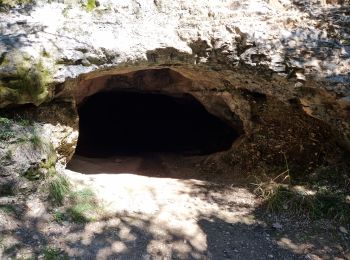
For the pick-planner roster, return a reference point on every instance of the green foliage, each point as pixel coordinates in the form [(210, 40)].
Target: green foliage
[(345, 42), (12, 3), (91, 5), (36, 141), (45, 54), (59, 216), (46, 168), (51, 159), (335, 177), (83, 205), (33, 173), (65, 12), (5, 122), (80, 206), (25, 122), (53, 253), (7, 158), (5, 126), (7, 189), (59, 187), (9, 209)]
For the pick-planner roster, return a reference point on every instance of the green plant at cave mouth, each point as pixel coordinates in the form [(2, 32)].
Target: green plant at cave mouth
[(59, 188)]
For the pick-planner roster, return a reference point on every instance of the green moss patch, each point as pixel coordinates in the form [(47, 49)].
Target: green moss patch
[(30, 84), (91, 5)]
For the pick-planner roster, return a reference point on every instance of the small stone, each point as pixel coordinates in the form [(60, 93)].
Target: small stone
[(312, 257), (300, 76), (298, 85), (277, 225), (343, 230), (85, 62), (118, 161), (270, 256)]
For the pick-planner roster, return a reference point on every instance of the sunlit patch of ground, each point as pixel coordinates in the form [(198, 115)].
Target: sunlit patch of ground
[(161, 207)]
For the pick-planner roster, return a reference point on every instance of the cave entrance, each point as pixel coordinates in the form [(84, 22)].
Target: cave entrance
[(129, 123)]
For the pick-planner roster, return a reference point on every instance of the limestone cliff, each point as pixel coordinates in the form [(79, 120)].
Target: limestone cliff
[(280, 68)]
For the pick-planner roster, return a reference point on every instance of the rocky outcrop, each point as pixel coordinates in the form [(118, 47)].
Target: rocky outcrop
[(277, 69), (33, 136), (24, 155)]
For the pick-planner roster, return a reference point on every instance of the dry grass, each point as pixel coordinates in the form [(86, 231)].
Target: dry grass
[(312, 201)]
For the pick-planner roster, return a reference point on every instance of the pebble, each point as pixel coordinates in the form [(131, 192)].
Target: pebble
[(277, 225), (343, 230)]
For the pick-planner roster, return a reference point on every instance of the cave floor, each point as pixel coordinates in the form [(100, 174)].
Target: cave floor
[(160, 206)]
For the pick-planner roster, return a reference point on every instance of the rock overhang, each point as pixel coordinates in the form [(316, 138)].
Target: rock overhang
[(224, 54)]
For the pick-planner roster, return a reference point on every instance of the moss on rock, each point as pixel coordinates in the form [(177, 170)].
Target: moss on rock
[(29, 84)]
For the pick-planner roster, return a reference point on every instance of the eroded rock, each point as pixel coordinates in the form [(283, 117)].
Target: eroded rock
[(276, 70)]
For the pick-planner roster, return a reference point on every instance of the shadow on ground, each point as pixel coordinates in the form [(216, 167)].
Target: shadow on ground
[(170, 218)]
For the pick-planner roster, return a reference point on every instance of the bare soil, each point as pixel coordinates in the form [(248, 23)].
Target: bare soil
[(165, 207)]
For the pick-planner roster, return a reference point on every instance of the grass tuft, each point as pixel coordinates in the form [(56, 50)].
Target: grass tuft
[(59, 188), (83, 206), (53, 253), (35, 140), (80, 206), (301, 202), (6, 132), (9, 209), (59, 216)]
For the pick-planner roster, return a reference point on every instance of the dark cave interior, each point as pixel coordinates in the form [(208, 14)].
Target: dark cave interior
[(128, 123)]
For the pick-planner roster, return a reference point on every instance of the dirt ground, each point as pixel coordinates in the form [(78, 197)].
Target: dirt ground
[(166, 207)]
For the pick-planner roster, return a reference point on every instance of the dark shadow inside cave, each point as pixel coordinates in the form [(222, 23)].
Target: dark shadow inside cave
[(128, 123)]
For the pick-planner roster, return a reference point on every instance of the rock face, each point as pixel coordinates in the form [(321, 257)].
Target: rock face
[(35, 143), (24, 155), (278, 70)]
